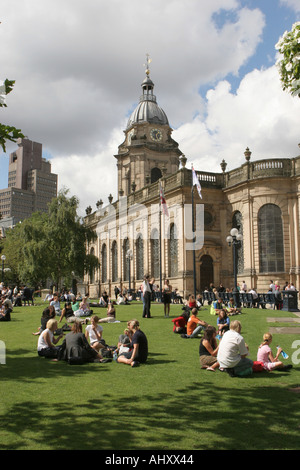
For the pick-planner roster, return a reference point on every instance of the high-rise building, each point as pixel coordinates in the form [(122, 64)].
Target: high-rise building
[(31, 185)]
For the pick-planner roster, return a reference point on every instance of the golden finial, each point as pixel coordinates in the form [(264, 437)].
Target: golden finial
[(148, 61)]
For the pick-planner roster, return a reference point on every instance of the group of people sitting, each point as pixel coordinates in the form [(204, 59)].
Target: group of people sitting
[(18, 296), (80, 348), (230, 354)]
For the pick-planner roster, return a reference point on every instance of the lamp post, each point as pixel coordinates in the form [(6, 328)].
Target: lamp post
[(234, 239), (3, 258), (129, 258)]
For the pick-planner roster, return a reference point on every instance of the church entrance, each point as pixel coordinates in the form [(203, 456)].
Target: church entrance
[(206, 272)]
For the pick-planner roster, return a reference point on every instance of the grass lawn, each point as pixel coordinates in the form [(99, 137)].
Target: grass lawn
[(167, 404)]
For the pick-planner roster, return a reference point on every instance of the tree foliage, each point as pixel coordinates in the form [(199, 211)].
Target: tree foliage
[(10, 133), (289, 65)]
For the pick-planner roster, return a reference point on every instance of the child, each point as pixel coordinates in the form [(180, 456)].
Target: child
[(265, 355), (223, 322)]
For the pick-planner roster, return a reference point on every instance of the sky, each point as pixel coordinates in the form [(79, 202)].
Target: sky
[(79, 66)]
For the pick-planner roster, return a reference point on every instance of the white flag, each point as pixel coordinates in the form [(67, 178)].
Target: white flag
[(196, 182)]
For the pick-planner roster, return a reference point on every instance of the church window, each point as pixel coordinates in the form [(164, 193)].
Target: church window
[(270, 236), (104, 263), (237, 222), (155, 261), (140, 257), (173, 252), (126, 260), (92, 273), (114, 256)]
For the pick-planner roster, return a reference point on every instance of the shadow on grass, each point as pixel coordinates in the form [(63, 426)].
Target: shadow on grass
[(194, 417)]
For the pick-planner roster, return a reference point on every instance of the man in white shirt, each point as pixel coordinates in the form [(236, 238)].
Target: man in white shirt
[(146, 297), (272, 286), (233, 350)]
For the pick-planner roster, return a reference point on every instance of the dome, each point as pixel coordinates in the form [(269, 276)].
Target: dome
[(147, 110)]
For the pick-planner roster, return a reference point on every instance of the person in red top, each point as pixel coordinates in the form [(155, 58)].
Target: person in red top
[(180, 323), (192, 302), (195, 325)]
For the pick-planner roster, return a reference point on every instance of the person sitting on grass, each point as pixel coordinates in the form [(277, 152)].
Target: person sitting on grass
[(233, 352), (216, 306), (180, 323), (194, 325), (139, 346), (47, 343), (208, 349), (76, 349), (56, 304), (5, 313), (223, 322), (265, 355), (93, 332), (47, 314), (111, 314), (232, 309)]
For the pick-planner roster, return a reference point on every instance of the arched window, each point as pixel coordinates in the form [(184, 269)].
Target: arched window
[(155, 271), (155, 174), (125, 260), (114, 261), (92, 272), (173, 252), (139, 257), (237, 222), (270, 237), (104, 263)]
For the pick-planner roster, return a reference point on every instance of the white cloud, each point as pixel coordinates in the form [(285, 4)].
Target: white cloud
[(293, 4), (260, 115), (78, 67)]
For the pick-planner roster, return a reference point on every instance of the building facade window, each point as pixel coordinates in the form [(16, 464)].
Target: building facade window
[(173, 251), (114, 261), (270, 239), (104, 263), (126, 261), (155, 262), (237, 222), (139, 257)]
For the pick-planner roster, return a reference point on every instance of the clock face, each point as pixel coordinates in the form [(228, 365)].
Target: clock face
[(156, 135)]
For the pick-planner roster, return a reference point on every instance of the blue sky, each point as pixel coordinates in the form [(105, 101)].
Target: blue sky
[(78, 67)]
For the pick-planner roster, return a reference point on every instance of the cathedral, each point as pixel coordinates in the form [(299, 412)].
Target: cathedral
[(174, 223)]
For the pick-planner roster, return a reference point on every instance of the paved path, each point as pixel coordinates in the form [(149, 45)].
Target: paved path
[(288, 330)]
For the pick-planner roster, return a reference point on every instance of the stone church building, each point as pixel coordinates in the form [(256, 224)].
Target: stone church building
[(135, 236)]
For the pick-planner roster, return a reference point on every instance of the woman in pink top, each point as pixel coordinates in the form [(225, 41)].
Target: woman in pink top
[(265, 355)]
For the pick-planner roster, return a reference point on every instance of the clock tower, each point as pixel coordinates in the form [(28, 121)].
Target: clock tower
[(148, 151)]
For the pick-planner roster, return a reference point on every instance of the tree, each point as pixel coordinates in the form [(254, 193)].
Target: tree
[(289, 65), (52, 245), (7, 132), (68, 239)]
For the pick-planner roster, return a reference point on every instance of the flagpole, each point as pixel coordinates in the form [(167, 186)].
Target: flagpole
[(160, 269), (193, 230)]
